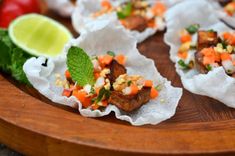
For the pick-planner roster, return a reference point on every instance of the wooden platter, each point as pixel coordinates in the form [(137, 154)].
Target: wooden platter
[(32, 125)]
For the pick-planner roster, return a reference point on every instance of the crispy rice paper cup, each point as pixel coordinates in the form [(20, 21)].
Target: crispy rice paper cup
[(216, 84), (96, 43), (82, 20)]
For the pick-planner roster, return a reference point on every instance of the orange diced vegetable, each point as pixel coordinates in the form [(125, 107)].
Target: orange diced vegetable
[(80, 95), (208, 52), (134, 89), (153, 93), (67, 74), (148, 83), (185, 38), (159, 9), (105, 60), (183, 54), (121, 59), (106, 4), (208, 60), (225, 56), (67, 93), (217, 57)]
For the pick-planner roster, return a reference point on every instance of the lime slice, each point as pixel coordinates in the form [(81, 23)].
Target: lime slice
[(39, 35)]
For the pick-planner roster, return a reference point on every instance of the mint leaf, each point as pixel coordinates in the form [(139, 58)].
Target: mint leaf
[(80, 66), (125, 12)]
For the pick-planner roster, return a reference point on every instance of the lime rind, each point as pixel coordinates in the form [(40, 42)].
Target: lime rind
[(39, 35)]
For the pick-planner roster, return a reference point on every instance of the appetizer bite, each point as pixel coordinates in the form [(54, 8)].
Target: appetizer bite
[(98, 78), (141, 17), (107, 82), (211, 50), (135, 14), (203, 51)]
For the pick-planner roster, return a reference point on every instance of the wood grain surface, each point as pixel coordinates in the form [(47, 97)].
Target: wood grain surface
[(33, 125)]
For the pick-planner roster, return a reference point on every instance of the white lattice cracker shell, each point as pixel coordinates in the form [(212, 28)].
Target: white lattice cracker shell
[(96, 43), (216, 84)]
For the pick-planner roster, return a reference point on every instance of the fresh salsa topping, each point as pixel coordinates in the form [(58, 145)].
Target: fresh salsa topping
[(99, 80), (136, 14), (212, 50)]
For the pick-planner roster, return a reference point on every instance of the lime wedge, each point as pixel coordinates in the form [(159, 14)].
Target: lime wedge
[(39, 35)]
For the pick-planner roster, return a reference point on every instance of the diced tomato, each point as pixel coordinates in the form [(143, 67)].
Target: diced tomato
[(96, 75), (67, 74), (67, 93)]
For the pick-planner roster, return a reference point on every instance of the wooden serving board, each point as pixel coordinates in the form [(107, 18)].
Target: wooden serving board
[(32, 125)]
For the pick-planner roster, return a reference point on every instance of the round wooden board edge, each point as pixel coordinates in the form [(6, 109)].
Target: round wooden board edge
[(19, 113)]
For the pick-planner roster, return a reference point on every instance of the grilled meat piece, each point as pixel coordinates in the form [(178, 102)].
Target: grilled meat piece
[(129, 103), (199, 63), (206, 39), (136, 22), (116, 70)]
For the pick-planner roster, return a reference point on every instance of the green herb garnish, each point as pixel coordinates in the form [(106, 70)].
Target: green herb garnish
[(80, 66), (125, 12), (183, 65), (111, 53), (92, 90), (209, 67), (192, 29), (211, 30), (103, 93), (12, 58), (129, 83)]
